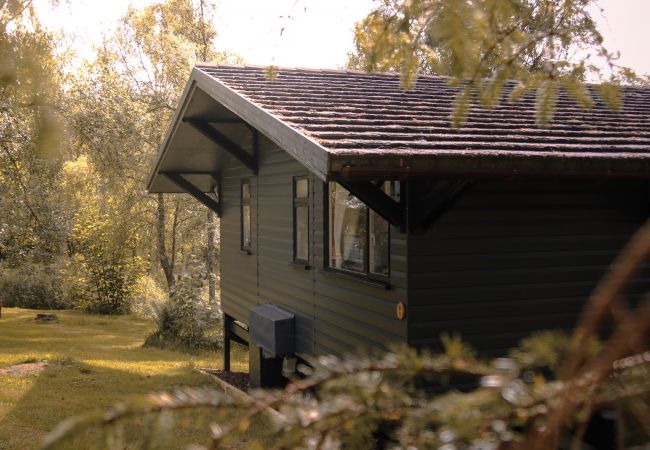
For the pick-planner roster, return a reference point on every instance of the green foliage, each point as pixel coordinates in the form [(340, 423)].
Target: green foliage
[(343, 402), (100, 286), (30, 98), (547, 349), (75, 148), (29, 76), (35, 286), (103, 265), (187, 320), (125, 99), (148, 297), (482, 45)]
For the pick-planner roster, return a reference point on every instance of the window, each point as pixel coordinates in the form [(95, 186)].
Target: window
[(358, 237), (301, 219), (246, 216)]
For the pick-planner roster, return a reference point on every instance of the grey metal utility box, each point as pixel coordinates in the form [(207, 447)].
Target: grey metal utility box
[(272, 329)]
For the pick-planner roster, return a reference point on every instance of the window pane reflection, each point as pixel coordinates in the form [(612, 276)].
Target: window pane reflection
[(246, 226), (379, 245), (302, 233), (348, 230), (359, 239)]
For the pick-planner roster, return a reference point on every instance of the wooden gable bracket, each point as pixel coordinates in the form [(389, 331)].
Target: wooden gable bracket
[(372, 195), (206, 128), (433, 201), (182, 182)]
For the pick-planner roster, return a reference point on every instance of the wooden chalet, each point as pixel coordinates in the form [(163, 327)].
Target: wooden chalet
[(353, 215)]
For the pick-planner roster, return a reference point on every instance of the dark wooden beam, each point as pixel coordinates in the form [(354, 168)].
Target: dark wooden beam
[(380, 202), (226, 342), (223, 141), (195, 192), (238, 333), (432, 205), (213, 175), (230, 121)]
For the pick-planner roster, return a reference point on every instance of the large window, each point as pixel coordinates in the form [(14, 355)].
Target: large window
[(246, 216), (358, 237), (301, 220)]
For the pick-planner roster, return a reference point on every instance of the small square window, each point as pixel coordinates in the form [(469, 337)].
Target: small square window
[(302, 187)]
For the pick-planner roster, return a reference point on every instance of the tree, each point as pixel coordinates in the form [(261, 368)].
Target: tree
[(124, 100), (103, 264), (155, 50), (211, 258), (126, 97), (30, 103), (115, 108), (544, 45), (30, 99)]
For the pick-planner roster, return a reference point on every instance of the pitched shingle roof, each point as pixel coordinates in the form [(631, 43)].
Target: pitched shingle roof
[(352, 112), (345, 124)]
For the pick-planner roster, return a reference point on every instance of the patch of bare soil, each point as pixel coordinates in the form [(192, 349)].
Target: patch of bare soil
[(236, 379), (26, 369), (46, 318)]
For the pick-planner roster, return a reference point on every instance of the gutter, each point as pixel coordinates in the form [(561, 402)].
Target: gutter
[(486, 164)]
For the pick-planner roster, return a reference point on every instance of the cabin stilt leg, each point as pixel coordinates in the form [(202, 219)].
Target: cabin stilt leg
[(264, 372), (227, 324)]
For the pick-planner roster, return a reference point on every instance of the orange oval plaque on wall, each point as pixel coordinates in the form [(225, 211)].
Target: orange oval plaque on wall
[(400, 311)]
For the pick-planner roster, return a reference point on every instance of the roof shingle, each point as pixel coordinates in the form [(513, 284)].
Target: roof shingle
[(352, 113)]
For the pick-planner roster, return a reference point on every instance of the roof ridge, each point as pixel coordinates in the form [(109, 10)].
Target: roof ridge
[(201, 65)]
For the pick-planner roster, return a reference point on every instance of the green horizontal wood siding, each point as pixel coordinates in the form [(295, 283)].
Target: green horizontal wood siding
[(333, 314), (512, 257), (506, 259)]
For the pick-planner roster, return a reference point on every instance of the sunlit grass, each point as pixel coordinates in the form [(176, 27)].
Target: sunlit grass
[(100, 360)]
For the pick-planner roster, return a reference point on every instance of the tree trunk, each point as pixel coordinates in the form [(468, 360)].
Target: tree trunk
[(172, 256), (167, 267), (210, 258)]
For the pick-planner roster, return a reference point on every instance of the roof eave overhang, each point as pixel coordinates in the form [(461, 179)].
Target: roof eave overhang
[(173, 126), (488, 164), (307, 151)]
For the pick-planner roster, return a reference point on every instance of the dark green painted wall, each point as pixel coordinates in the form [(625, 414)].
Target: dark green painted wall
[(333, 314), (507, 258), (511, 257)]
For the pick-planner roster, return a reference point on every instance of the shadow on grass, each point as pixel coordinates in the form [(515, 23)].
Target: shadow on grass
[(73, 389), (98, 366)]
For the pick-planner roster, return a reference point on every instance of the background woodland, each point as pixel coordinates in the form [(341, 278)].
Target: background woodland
[(78, 230)]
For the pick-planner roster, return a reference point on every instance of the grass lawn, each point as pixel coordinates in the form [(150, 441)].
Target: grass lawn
[(100, 361)]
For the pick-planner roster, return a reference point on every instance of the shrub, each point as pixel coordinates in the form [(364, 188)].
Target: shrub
[(187, 320), (148, 297), (112, 289), (104, 265), (101, 286), (34, 286)]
